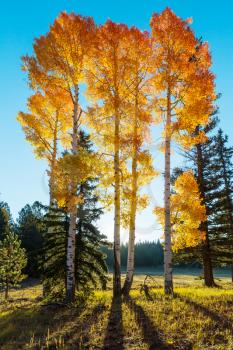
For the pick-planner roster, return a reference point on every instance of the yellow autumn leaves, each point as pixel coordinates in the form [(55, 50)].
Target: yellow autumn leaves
[(187, 213), (133, 80)]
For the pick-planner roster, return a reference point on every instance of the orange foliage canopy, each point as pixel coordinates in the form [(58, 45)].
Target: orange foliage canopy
[(60, 55), (182, 70), (48, 121), (187, 213)]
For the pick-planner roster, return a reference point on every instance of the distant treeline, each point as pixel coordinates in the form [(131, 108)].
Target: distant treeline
[(147, 254)]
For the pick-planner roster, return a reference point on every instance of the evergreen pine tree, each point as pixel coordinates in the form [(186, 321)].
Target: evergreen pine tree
[(12, 261), (90, 264), (211, 163), (202, 160), (53, 262), (224, 214), (30, 227), (6, 221), (147, 255)]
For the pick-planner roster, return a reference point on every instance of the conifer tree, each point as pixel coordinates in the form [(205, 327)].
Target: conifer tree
[(30, 228), (224, 214), (12, 261), (208, 168), (90, 265), (53, 258), (6, 221), (148, 255), (211, 164), (202, 165), (202, 160)]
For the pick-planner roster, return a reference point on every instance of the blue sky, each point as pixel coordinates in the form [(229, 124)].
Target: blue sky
[(22, 177)]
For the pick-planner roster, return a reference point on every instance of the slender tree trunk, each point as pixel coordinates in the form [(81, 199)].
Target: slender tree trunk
[(70, 278), (53, 163), (131, 245), (117, 244), (46, 287), (206, 250), (7, 292), (168, 280), (79, 233), (228, 196), (207, 265), (133, 208)]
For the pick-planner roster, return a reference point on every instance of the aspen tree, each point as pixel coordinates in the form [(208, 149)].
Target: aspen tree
[(46, 127), (139, 120), (184, 93), (60, 59), (106, 89)]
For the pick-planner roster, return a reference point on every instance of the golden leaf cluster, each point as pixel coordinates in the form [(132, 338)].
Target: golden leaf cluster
[(187, 213)]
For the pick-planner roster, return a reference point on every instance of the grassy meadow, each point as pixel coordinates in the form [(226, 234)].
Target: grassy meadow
[(195, 318)]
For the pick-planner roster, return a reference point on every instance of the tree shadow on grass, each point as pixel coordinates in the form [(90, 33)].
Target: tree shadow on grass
[(32, 324), (19, 326), (114, 336), (79, 336), (151, 335), (222, 321)]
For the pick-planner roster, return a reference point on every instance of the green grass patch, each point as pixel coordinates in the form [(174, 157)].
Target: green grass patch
[(195, 318)]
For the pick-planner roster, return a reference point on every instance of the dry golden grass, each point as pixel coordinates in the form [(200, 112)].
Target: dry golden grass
[(195, 318)]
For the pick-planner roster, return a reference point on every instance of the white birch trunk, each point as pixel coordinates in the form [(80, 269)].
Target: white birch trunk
[(117, 246), (53, 163), (131, 245), (46, 287), (70, 278), (168, 282), (133, 209)]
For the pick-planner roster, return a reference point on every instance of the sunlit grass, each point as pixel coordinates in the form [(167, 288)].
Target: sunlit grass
[(195, 318)]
